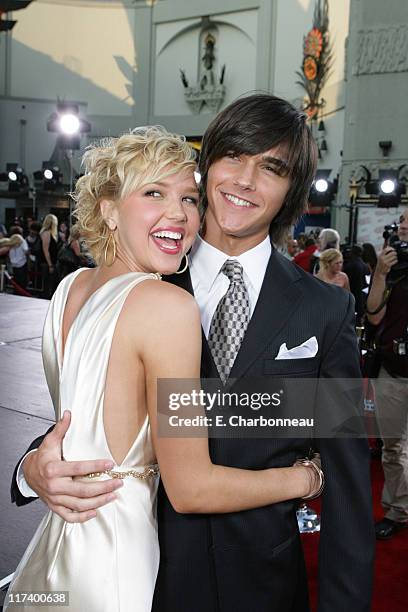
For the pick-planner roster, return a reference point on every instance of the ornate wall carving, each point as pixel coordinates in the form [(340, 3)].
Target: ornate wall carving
[(382, 50)]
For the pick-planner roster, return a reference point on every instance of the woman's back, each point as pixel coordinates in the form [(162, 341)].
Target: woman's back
[(95, 310), (52, 248)]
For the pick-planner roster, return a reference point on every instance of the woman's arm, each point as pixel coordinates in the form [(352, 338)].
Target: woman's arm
[(386, 259), (346, 283), (171, 348)]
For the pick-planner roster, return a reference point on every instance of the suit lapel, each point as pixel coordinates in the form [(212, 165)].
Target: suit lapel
[(279, 297)]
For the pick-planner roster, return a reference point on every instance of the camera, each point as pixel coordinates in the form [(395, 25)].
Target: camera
[(401, 247), (390, 230)]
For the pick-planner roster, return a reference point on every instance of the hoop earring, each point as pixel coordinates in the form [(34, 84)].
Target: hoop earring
[(185, 267), (107, 246)]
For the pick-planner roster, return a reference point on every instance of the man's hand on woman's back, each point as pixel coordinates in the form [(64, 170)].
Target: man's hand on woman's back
[(54, 480)]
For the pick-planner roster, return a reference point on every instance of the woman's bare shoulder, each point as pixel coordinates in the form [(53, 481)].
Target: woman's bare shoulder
[(160, 295), (161, 302)]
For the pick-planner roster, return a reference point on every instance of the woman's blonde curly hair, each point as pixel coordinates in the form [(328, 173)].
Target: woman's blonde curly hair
[(115, 168), (328, 257)]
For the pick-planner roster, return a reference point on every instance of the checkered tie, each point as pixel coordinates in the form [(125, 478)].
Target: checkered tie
[(230, 320)]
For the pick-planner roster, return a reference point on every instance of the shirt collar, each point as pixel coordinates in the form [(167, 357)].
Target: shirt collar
[(207, 261)]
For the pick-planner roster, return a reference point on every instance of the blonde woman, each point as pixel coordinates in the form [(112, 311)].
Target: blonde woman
[(17, 249), (48, 255), (110, 333), (331, 264), (328, 239)]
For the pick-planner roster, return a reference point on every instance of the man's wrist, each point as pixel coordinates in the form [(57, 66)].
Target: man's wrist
[(22, 484), (380, 276)]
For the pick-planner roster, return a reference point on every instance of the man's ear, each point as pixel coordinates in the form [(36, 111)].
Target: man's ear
[(109, 213)]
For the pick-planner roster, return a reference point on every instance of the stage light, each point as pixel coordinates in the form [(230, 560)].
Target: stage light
[(323, 190), (69, 124), (385, 191), (388, 186), (321, 185), (14, 172), (17, 180), (49, 177)]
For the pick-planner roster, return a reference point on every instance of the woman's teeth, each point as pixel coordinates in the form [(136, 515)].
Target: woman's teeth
[(168, 240), (167, 234)]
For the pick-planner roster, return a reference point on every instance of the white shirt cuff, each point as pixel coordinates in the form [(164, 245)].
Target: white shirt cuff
[(23, 487)]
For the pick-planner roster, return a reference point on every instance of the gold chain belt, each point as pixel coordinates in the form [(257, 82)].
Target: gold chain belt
[(148, 472)]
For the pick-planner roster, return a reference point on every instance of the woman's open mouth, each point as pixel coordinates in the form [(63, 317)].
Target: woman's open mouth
[(168, 241)]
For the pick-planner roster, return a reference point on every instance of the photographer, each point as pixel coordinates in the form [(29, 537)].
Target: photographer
[(387, 309)]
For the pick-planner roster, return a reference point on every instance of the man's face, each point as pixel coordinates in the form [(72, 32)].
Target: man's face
[(403, 227), (244, 193), (292, 247)]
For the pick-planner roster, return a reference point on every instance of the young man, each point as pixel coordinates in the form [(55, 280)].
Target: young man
[(257, 164)]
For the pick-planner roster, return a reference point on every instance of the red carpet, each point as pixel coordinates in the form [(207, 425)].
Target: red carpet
[(390, 586)]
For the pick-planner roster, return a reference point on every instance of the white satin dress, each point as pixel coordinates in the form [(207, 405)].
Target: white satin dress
[(110, 563)]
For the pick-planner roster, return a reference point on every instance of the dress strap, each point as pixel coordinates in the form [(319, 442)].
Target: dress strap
[(148, 472)]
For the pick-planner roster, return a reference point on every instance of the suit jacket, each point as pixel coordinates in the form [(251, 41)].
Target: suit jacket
[(253, 560)]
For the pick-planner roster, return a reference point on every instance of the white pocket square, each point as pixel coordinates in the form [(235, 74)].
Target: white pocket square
[(309, 348)]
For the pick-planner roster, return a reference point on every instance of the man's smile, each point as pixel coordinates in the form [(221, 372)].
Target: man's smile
[(236, 201)]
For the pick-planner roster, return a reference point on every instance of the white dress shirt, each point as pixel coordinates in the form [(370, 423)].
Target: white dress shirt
[(24, 488), (210, 285)]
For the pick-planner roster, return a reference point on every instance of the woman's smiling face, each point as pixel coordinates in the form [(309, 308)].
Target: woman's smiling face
[(156, 224)]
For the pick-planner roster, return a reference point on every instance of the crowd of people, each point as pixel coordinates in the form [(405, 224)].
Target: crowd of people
[(40, 254), (321, 253)]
